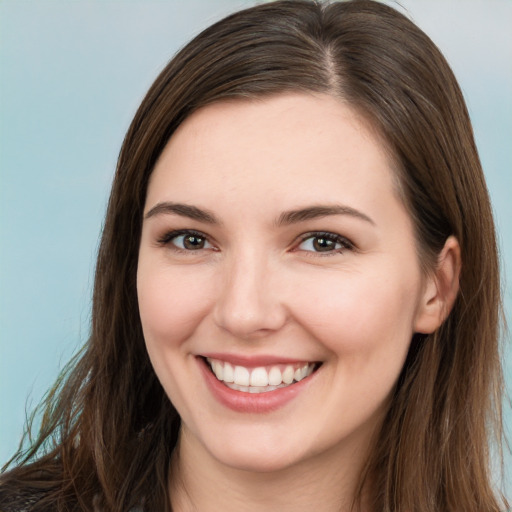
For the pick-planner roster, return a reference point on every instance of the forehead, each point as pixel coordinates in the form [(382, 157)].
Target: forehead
[(283, 149)]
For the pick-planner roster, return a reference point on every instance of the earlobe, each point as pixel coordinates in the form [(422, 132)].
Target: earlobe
[(441, 289)]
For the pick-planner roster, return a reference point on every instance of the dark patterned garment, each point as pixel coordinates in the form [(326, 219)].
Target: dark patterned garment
[(25, 502), (22, 502)]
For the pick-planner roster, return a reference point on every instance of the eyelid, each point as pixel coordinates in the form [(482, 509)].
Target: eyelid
[(168, 236), (347, 245)]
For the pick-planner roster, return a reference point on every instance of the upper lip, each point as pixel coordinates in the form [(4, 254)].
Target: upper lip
[(255, 360)]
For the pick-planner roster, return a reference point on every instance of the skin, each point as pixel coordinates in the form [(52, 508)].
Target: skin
[(257, 287)]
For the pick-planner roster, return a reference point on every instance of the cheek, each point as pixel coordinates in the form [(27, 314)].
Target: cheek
[(361, 313), (366, 324), (171, 303)]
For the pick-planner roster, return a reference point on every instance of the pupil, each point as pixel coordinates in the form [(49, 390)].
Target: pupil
[(193, 242), (323, 244)]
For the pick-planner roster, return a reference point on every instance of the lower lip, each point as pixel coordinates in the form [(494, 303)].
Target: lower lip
[(251, 402)]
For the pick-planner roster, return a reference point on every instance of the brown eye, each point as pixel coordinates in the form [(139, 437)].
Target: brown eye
[(322, 244), (186, 241), (325, 242), (193, 242)]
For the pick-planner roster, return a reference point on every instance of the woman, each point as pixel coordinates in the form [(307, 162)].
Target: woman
[(296, 301)]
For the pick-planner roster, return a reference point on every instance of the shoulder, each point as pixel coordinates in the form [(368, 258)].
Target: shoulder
[(19, 501), (29, 500)]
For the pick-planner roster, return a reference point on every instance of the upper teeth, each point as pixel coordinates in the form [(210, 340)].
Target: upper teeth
[(254, 379)]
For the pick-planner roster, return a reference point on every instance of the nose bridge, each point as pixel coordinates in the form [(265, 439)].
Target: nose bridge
[(249, 303)]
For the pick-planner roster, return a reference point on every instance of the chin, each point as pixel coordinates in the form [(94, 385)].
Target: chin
[(256, 460), (260, 448)]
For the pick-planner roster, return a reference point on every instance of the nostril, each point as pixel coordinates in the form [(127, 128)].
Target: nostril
[(249, 302)]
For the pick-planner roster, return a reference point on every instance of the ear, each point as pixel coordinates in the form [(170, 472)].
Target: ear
[(441, 289)]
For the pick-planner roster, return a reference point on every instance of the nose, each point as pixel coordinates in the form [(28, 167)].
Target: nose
[(250, 300)]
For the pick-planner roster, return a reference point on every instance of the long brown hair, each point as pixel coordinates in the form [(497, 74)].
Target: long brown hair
[(108, 428)]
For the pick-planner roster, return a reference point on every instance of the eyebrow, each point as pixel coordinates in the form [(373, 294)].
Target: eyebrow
[(286, 218), (317, 211), (184, 210)]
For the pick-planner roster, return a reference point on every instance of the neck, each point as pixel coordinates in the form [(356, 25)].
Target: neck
[(200, 483)]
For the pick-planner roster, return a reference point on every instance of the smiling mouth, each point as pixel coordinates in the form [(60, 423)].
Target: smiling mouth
[(260, 379)]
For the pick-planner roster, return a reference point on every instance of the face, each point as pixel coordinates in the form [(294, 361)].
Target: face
[(278, 280)]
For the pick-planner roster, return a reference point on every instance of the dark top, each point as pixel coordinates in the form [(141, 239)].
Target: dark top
[(22, 502)]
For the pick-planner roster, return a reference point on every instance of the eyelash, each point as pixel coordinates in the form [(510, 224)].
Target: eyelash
[(168, 238), (346, 245)]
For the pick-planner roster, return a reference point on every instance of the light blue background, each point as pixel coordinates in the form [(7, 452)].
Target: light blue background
[(72, 75)]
